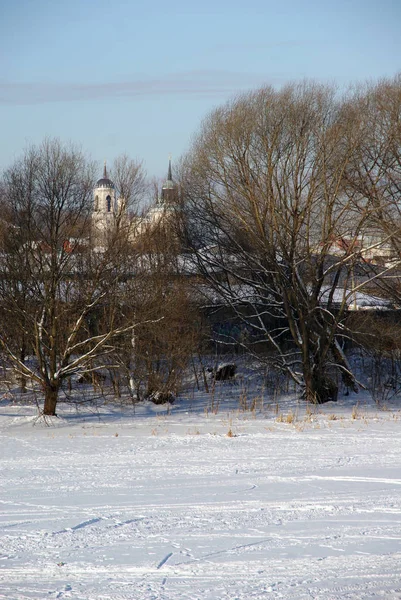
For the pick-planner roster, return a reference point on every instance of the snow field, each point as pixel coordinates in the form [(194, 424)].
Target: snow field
[(168, 506)]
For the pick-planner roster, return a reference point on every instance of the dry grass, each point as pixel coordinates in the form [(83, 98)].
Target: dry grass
[(194, 431), (290, 418)]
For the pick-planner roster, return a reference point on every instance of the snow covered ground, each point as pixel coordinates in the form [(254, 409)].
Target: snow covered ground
[(112, 505)]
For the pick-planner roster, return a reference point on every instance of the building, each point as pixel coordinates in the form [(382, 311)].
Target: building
[(108, 209)]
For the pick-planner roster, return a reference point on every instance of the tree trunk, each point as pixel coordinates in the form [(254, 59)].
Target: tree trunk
[(346, 373), (23, 379), (23, 384), (319, 388), (51, 397)]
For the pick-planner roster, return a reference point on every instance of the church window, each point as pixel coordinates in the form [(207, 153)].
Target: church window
[(108, 200), (96, 203)]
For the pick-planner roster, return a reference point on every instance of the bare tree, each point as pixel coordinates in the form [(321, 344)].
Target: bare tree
[(272, 229), (63, 286), (163, 302), (129, 178)]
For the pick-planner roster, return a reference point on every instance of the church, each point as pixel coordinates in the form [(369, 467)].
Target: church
[(110, 210)]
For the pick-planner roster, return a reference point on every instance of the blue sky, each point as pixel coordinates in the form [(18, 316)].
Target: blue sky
[(138, 77)]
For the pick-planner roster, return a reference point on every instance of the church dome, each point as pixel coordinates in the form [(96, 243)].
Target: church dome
[(104, 181)]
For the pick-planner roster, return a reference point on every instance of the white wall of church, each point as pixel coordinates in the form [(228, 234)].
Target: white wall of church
[(104, 208)]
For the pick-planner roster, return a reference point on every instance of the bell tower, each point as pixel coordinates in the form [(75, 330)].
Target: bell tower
[(104, 205)]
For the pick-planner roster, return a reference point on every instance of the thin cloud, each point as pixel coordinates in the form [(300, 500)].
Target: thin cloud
[(191, 83), (261, 45)]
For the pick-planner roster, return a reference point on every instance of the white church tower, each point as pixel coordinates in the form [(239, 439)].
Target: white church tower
[(166, 203), (105, 206)]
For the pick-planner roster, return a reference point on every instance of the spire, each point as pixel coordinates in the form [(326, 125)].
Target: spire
[(104, 181), (169, 175), (168, 188)]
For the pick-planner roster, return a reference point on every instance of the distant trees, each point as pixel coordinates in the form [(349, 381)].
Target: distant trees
[(275, 214)]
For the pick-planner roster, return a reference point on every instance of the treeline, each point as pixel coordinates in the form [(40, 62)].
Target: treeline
[(286, 216)]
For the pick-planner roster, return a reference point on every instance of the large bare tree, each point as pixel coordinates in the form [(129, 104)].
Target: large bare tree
[(272, 229)]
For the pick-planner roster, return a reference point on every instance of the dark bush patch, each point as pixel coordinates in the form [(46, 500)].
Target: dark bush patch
[(161, 398), (225, 372)]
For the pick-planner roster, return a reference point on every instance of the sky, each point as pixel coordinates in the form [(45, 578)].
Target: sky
[(136, 77)]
